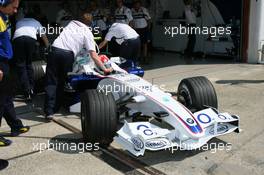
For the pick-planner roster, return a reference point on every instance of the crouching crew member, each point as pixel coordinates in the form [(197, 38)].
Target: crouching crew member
[(25, 39), (127, 38), (123, 14), (141, 23), (75, 36), (7, 109)]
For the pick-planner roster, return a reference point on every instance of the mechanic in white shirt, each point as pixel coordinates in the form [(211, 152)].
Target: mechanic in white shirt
[(25, 39), (99, 19), (75, 36), (122, 13), (191, 22), (141, 23), (127, 38)]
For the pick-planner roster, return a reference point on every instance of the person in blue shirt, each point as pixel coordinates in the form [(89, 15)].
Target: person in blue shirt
[(7, 110)]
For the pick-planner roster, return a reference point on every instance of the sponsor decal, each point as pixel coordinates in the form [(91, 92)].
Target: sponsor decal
[(131, 80), (140, 126), (204, 118), (119, 76), (221, 129), (138, 143), (146, 131), (222, 117), (190, 121), (165, 99), (156, 144), (147, 88)]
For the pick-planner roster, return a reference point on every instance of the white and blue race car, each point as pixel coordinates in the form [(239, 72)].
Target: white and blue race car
[(141, 117), (138, 115)]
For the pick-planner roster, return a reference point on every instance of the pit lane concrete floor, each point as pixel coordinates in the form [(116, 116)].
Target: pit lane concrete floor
[(240, 89)]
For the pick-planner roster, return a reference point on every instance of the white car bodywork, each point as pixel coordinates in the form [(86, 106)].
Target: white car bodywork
[(178, 127)]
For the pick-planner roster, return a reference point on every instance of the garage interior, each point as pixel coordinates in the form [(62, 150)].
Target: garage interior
[(210, 13)]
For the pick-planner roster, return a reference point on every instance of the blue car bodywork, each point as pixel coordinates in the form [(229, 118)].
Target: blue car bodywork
[(82, 82)]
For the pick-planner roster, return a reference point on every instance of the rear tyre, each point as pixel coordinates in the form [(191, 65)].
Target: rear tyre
[(196, 93), (38, 76), (98, 117)]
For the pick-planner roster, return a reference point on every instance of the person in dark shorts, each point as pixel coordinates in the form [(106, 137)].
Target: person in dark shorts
[(141, 23), (24, 44), (75, 37)]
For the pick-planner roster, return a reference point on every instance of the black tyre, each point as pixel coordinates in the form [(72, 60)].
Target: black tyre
[(39, 75), (98, 117), (38, 70), (196, 93)]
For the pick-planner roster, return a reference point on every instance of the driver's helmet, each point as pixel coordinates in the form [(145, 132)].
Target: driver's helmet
[(104, 59)]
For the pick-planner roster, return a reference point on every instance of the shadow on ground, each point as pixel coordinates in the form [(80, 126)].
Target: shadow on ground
[(65, 144), (166, 59), (237, 82)]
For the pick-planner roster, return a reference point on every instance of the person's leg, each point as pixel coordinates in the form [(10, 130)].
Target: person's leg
[(3, 141), (125, 50), (136, 49), (191, 42), (7, 109), (3, 87), (51, 85), (141, 57), (144, 43), (114, 48), (20, 57), (3, 164), (66, 62), (10, 115), (12, 120), (31, 45)]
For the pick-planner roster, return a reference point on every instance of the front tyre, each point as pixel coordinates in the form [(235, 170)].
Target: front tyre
[(39, 75), (196, 93), (98, 117)]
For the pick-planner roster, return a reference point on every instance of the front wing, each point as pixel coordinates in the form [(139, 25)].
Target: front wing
[(138, 137)]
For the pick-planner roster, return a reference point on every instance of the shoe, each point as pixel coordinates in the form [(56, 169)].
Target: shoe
[(17, 132), (49, 117), (3, 164), (29, 96), (4, 142)]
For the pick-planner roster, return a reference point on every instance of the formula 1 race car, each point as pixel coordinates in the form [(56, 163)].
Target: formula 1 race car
[(138, 115)]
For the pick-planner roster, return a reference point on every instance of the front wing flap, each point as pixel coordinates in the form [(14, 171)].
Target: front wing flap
[(141, 136)]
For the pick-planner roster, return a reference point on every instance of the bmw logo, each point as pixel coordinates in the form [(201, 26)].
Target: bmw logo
[(190, 121)]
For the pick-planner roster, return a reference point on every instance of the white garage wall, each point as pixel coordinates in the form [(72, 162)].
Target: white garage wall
[(256, 29), (261, 35)]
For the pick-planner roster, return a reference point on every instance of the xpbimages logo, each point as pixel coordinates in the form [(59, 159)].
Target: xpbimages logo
[(56, 30), (57, 145), (187, 30), (212, 147)]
